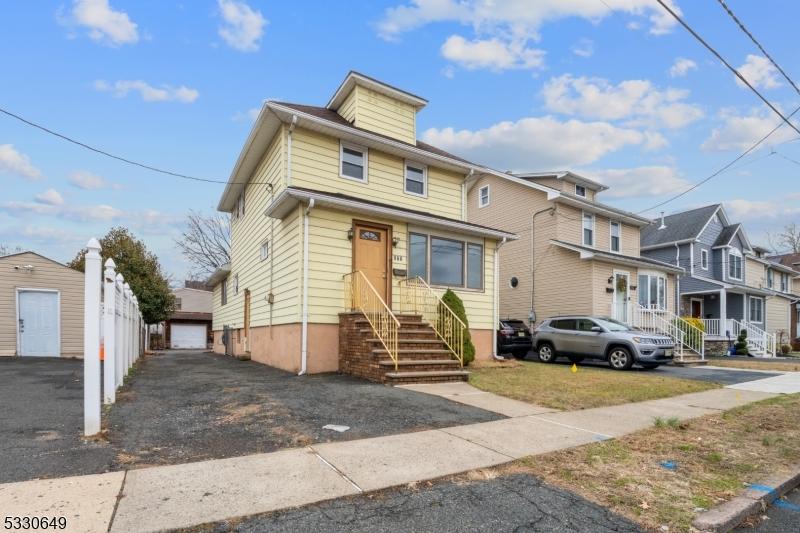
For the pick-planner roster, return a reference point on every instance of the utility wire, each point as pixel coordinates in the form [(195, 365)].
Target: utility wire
[(758, 44), (724, 62)]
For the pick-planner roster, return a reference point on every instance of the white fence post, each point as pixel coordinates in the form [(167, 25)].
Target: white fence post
[(119, 333), (127, 290), (109, 330), (91, 339)]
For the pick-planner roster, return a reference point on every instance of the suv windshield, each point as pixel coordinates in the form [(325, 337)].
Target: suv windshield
[(613, 325)]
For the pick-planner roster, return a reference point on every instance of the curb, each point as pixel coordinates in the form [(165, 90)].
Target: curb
[(756, 498)]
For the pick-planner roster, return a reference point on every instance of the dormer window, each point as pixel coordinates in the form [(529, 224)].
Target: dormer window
[(353, 162), (580, 190), (416, 181), (483, 196)]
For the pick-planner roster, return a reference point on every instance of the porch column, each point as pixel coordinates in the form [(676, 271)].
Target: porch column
[(723, 312)]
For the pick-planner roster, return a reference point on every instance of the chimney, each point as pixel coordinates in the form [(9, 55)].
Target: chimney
[(662, 226)]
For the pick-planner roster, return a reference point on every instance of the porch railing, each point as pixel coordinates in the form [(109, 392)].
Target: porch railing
[(685, 335), (360, 295), (758, 340), (417, 296), (713, 326)]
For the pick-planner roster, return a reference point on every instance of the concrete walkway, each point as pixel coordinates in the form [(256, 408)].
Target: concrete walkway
[(184, 495), (788, 383)]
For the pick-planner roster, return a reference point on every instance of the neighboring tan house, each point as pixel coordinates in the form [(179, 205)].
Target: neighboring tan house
[(729, 284), (189, 326), (792, 261), (41, 307), (333, 210), (575, 255)]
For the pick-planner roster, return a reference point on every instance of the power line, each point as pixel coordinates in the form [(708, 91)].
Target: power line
[(758, 44), (728, 65)]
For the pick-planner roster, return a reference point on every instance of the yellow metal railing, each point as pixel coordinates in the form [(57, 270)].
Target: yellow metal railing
[(417, 296), (360, 295)]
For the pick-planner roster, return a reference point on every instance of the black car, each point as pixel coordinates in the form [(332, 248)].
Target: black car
[(513, 337)]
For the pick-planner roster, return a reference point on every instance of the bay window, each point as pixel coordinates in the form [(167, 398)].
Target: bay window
[(653, 291), (445, 262)]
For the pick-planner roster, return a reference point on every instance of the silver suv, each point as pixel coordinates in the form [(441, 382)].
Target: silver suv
[(579, 337)]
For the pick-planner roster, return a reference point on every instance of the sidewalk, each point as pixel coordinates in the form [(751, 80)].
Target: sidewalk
[(184, 495)]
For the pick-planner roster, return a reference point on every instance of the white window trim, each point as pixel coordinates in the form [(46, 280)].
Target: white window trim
[(611, 236), (362, 149), (659, 276), (736, 253), (584, 195), (750, 300), (583, 234), (488, 196), (261, 253), (770, 278), (20, 290), (703, 259), (424, 168)]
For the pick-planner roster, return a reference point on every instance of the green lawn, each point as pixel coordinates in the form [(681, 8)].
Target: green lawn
[(557, 387)]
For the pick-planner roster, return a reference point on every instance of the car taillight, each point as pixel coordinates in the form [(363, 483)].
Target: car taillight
[(506, 332)]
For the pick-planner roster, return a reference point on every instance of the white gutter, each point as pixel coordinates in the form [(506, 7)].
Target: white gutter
[(496, 299), (289, 152), (304, 332)]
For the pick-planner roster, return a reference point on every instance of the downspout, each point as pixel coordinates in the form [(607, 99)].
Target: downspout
[(304, 332), (532, 312), (677, 294), (496, 299), (289, 152)]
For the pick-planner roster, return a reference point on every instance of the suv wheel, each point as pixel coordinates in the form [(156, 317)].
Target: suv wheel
[(620, 358), (545, 353)]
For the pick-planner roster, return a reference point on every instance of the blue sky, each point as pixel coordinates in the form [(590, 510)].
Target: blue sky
[(622, 95)]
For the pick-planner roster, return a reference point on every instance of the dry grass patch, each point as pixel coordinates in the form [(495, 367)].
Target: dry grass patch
[(557, 387), (714, 457), (755, 364)]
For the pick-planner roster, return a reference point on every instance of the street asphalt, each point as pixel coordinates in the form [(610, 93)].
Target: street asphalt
[(782, 516), (517, 502)]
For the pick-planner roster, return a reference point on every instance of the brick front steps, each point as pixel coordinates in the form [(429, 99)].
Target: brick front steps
[(422, 356)]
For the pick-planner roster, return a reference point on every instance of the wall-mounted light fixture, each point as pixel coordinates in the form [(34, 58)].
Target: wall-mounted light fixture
[(395, 242), (611, 279), (350, 234)]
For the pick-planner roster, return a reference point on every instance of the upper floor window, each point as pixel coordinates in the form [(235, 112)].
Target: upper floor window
[(224, 291), (580, 190), (784, 282), (483, 196), (734, 264), (445, 262), (416, 181), (238, 210), (770, 280), (264, 250), (704, 259), (588, 229), (177, 304), (616, 235), (353, 162), (756, 310)]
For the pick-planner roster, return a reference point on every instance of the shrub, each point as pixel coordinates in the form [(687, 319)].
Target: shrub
[(455, 304), (786, 349), (741, 343), (696, 322), (691, 328)]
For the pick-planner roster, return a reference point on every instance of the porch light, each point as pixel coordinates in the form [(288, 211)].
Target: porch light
[(611, 279), (350, 234), (395, 242)]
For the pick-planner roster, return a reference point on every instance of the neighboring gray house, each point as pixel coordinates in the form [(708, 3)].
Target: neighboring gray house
[(726, 277)]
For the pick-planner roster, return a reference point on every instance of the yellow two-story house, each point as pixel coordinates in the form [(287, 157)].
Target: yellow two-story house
[(343, 223)]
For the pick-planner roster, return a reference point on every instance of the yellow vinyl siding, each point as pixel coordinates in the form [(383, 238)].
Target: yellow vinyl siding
[(330, 258), (778, 316), (755, 275), (315, 165), (46, 274), (381, 114)]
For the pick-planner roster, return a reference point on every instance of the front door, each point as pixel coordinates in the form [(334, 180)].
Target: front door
[(697, 308), (621, 292), (38, 323), (371, 255), (247, 320)]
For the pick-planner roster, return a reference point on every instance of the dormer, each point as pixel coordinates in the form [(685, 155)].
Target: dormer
[(372, 105), (567, 182)]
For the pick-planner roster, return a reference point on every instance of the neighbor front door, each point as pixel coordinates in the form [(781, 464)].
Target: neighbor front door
[(697, 308), (371, 255), (621, 290), (38, 325)]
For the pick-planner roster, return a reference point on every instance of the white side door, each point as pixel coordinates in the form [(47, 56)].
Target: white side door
[(38, 323)]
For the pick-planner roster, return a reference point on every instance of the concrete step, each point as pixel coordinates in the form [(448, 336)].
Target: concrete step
[(412, 344), (397, 378), (426, 365), (689, 361), (414, 354)]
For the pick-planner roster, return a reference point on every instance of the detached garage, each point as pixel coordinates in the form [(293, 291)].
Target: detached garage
[(41, 307), (188, 336)]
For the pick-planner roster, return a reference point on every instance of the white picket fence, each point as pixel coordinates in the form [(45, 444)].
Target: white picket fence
[(111, 312)]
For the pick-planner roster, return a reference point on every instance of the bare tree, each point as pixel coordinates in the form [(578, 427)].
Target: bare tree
[(787, 240), (5, 249), (206, 242)]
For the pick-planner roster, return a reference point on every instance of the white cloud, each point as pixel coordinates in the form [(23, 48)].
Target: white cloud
[(492, 54), (637, 101), (247, 116), (759, 72), (639, 181), (164, 93), (243, 26), (16, 163), (50, 197), (681, 67), (583, 48), (104, 23), (85, 180), (748, 209), (739, 132), (536, 142), (449, 72)]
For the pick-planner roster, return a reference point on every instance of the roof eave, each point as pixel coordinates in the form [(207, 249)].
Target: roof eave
[(612, 213), (623, 259)]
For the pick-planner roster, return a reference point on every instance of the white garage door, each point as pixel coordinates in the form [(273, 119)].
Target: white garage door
[(188, 336)]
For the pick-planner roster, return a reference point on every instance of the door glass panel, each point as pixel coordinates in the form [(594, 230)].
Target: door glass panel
[(369, 235)]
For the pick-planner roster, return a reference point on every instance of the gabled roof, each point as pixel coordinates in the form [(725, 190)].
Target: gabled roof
[(16, 254), (680, 227), (727, 234), (790, 260), (354, 78), (562, 175)]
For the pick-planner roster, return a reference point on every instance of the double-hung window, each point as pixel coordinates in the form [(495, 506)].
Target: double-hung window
[(224, 292), (483, 196), (416, 181), (445, 262), (735, 264), (704, 259), (652, 291), (770, 278), (616, 236), (353, 162), (588, 229), (580, 190), (784, 282), (756, 310)]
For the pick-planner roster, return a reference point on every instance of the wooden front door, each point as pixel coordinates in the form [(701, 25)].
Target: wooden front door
[(371, 255), (247, 320), (697, 308)]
